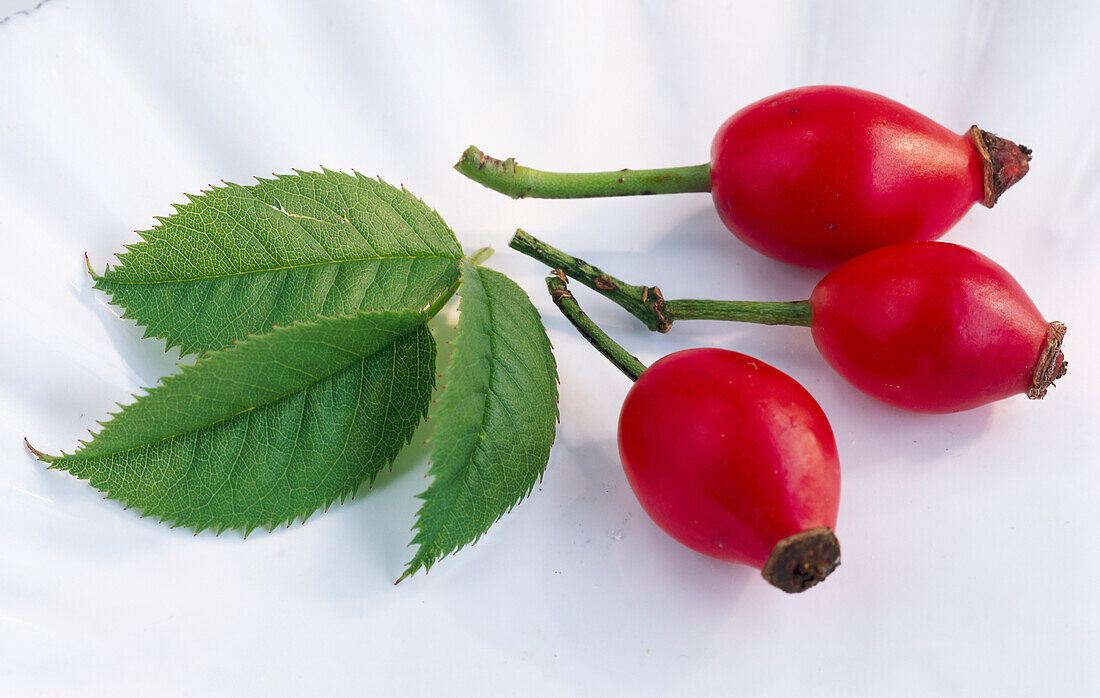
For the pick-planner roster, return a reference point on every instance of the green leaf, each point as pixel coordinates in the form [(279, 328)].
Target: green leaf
[(496, 419), (238, 260), (270, 429)]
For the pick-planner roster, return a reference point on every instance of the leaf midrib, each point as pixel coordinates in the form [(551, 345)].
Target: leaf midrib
[(106, 279), (465, 474)]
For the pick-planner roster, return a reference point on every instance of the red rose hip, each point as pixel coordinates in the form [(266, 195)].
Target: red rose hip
[(734, 459), (818, 175), (812, 176), (926, 326), (934, 327), (727, 454)]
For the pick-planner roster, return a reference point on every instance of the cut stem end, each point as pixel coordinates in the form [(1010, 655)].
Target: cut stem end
[(800, 561)]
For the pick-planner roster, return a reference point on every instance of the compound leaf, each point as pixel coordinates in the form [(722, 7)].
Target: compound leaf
[(270, 429), (496, 418), (239, 260)]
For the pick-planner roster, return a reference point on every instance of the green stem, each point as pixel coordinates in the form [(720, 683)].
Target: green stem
[(477, 258), (518, 182), (648, 304), (480, 256), (761, 312), (435, 306), (641, 301), (612, 350), (433, 309)]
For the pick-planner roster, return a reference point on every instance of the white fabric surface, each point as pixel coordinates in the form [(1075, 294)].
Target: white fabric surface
[(969, 540)]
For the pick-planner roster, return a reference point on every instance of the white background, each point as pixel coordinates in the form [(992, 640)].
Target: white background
[(970, 541)]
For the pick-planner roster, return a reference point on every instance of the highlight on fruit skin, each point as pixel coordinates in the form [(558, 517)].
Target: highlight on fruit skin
[(812, 176)]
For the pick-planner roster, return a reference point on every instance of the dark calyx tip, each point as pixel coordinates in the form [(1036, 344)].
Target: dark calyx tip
[(1005, 163), (800, 561), (1052, 363)]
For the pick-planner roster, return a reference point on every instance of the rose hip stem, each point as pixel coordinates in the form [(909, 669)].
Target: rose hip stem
[(648, 304), (518, 182), (925, 326), (812, 176), (791, 482), (612, 350)]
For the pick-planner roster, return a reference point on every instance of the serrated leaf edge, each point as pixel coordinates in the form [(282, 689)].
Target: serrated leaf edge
[(99, 279), (52, 461), (427, 564)]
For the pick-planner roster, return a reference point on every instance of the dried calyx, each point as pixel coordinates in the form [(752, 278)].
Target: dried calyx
[(1052, 363), (1005, 163), (800, 561)]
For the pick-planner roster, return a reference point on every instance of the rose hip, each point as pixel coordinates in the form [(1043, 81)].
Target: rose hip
[(734, 459), (728, 455), (818, 175), (925, 326), (812, 176), (934, 327)]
